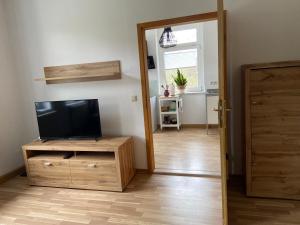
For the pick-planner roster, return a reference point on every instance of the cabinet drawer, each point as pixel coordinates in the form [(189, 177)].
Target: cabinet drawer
[(98, 173), (49, 171)]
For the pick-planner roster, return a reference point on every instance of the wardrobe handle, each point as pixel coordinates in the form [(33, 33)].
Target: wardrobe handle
[(48, 164)]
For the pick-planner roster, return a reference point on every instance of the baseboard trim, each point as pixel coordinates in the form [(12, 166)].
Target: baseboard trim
[(187, 173), (12, 174), (141, 171), (202, 126)]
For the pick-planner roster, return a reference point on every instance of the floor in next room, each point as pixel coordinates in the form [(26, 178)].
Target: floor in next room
[(155, 200), (189, 150)]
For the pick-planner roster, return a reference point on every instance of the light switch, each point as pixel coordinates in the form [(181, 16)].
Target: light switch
[(134, 98)]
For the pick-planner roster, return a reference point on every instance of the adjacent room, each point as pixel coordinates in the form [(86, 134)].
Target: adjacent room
[(183, 84)]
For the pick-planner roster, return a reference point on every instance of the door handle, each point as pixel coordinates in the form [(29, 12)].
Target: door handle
[(48, 164), (216, 110), (92, 165), (222, 113)]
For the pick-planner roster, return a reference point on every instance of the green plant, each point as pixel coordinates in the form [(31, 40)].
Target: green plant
[(180, 80)]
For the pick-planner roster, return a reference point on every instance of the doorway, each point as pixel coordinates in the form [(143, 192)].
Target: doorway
[(222, 108), (184, 125), (194, 147)]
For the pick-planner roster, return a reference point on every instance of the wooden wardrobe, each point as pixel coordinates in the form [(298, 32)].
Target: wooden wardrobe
[(272, 122)]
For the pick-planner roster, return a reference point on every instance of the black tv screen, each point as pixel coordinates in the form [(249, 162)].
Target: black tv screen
[(68, 119)]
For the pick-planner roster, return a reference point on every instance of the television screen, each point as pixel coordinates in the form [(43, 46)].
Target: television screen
[(68, 119)]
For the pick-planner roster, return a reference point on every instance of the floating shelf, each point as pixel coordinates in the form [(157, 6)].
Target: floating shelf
[(82, 72)]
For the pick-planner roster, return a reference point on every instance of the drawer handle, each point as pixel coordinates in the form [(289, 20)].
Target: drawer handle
[(92, 165), (48, 164)]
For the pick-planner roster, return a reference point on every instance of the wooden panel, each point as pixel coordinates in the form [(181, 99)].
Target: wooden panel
[(94, 172), (223, 103), (49, 170), (273, 124), (107, 164), (83, 72), (106, 144), (126, 159)]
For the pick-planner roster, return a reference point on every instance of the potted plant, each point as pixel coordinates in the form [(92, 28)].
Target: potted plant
[(180, 81)]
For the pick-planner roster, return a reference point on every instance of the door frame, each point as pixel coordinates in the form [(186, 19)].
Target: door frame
[(141, 30), (220, 16)]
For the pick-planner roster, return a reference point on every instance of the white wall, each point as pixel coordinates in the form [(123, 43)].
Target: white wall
[(258, 31), (152, 51), (11, 119), (210, 54), (73, 31), (57, 32)]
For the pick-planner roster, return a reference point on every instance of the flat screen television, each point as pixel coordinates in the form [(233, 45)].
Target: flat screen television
[(74, 119)]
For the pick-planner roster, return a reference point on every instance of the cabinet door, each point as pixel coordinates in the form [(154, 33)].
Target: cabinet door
[(97, 172), (49, 170), (274, 99)]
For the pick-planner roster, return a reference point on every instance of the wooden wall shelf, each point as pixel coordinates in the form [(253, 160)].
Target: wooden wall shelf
[(82, 72)]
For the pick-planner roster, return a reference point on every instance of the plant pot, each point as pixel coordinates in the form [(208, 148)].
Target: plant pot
[(181, 89)]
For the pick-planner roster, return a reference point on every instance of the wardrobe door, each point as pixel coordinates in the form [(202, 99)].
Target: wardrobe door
[(274, 142)]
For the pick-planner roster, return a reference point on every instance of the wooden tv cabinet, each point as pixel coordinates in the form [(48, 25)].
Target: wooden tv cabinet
[(107, 164)]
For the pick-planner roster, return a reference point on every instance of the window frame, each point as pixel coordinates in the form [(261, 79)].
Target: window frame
[(185, 46)]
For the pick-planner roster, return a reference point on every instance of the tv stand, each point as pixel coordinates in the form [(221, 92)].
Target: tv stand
[(106, 164)]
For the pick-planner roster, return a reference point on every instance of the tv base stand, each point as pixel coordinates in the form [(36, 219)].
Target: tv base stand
[(43, 140), (106, 164)]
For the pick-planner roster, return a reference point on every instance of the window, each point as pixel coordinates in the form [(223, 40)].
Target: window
[(187, 56), (186, 36), (186, 61)]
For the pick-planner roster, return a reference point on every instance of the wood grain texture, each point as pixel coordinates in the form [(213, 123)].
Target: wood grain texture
[(189, 150), (243, 210), (148, 200), (272, 103), (83, 72), (142, 44), (94, 171), (49, 170), (107, 164), (223, 102), (125, 159), (106, 144), (180, 20)]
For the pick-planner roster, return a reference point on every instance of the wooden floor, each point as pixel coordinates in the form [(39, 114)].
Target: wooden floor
[(259, 211), (149, 200), (188, 150)]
